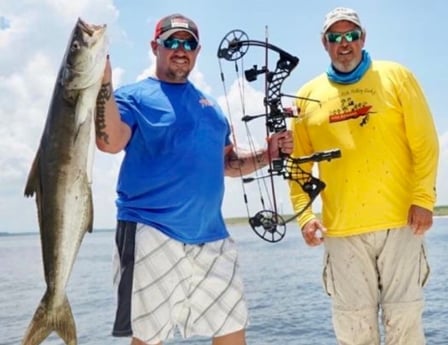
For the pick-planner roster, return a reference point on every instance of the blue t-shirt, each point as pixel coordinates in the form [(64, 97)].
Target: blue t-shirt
[(172, 174)]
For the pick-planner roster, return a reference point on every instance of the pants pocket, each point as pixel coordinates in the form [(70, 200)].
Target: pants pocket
[(424, 266), (327, 275)]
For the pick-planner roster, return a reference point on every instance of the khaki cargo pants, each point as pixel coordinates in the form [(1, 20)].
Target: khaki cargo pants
[(379, 273)]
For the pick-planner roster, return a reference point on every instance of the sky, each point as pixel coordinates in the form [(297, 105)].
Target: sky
[(34, 34)]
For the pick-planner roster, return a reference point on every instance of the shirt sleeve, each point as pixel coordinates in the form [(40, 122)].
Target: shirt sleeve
[(423, 141), (125, 103)]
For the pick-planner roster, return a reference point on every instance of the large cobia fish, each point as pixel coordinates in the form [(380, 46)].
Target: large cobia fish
[(60, 177)]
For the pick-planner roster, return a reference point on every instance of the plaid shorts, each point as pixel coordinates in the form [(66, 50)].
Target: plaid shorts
[(164, 284)]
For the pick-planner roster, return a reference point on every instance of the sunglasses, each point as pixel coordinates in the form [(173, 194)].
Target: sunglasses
[(350, 36), (175, 43)]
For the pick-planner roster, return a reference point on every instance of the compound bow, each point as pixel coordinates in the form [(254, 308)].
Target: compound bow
[(269, 224)]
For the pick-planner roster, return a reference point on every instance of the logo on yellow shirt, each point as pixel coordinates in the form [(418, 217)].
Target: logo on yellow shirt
[(351, 110)]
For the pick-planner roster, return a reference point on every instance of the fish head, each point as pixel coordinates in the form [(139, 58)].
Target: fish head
[(85, 57)]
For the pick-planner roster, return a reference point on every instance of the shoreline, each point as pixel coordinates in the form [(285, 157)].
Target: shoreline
[(229, 221)]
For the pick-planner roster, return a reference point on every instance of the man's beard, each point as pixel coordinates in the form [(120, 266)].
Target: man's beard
[(346, 67), (177, 75)]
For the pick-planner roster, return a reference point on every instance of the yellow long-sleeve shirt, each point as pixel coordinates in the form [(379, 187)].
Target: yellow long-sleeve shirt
[(385, 131)]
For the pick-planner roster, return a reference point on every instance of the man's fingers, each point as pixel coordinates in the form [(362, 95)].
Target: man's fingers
[(313, 237)]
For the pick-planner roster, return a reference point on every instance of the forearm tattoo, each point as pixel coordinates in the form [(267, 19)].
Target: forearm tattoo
[(260, 159), (100, 119), (234, 162), (254, 160)]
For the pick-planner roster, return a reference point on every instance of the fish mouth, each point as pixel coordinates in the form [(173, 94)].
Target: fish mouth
[(91, 29), (85, 57)]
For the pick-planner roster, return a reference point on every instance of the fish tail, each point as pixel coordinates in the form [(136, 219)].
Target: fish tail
[(47, 319)]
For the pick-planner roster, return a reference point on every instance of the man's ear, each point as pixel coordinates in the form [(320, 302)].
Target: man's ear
[(154, 45), (364, 35), (324, 42)]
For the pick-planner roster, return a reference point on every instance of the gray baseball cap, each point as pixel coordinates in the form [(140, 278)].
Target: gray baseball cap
[(338, 14)]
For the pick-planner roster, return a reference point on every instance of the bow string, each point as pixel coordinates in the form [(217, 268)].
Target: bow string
[(268, 223)]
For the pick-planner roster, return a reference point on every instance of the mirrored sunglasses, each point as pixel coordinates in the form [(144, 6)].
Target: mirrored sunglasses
[(175, 43), (350, 36)]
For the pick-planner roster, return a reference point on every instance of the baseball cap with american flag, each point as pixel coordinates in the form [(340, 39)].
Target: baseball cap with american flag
[(174, 23)]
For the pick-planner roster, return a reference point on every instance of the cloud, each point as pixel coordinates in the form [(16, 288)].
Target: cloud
[(32, 41)]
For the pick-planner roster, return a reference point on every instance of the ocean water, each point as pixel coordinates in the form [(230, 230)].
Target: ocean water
[(283, 284)]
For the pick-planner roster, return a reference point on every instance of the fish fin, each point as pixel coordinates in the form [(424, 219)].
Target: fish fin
[(33, 177), (46, 320), (85, 107), (90, 211), (91, 151), (33, 186), (65, 323)]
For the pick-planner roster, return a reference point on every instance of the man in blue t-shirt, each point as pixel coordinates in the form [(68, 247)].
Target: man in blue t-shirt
[(176, 263)]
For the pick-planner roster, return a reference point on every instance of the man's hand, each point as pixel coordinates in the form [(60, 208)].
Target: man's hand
[(280, 142), (419, 219), (313, 231)]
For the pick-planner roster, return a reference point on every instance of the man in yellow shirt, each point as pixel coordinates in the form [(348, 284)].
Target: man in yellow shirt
[(379, 198)]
